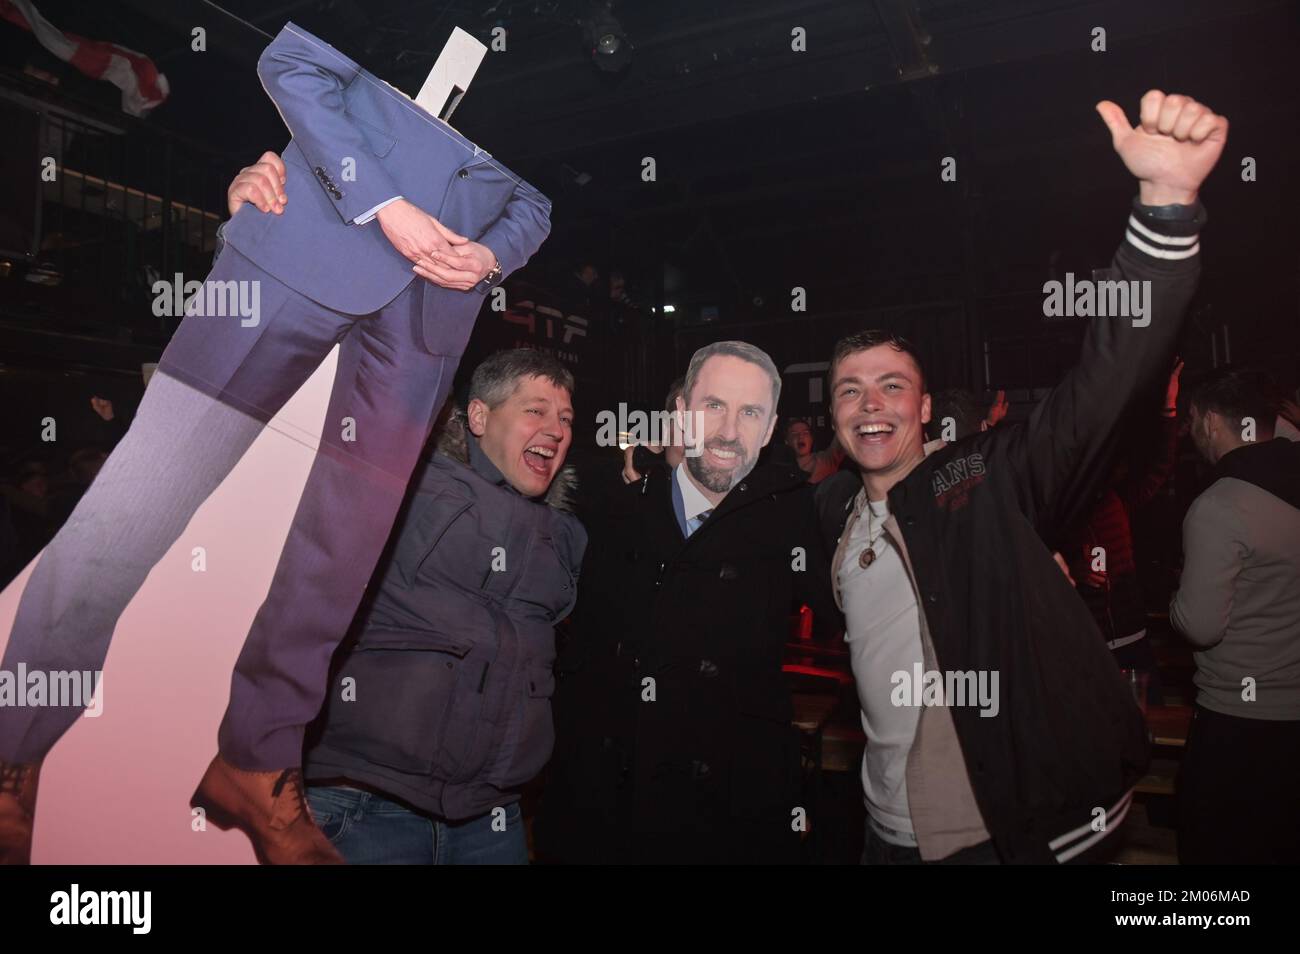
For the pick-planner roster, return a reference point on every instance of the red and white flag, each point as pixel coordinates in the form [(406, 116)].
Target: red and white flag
[(142, 86)]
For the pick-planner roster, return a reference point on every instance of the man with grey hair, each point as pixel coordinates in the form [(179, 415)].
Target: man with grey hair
[(438, 710), (674, 741)]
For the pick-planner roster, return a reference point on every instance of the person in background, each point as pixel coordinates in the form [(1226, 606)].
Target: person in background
[(111, 426), (1238, 603), (38, 498), (818, 465), (26, 489), (618, 289), (582, 286), (1102, 562)]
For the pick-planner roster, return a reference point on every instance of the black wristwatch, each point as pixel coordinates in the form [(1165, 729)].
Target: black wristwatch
[(1191, 217), (492, 277)]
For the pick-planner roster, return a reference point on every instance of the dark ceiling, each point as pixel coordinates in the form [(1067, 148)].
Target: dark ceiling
[(779, 168)]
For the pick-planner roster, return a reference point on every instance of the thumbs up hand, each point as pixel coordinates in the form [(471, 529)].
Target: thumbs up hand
[(1172, 149)]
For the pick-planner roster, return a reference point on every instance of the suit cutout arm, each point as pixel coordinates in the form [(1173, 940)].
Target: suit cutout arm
[(520, 231), (306, 81)]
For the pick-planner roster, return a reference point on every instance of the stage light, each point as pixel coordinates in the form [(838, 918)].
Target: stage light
[(611, 50)]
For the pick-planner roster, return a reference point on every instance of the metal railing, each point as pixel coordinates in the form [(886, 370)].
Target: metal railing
[(110, 207)]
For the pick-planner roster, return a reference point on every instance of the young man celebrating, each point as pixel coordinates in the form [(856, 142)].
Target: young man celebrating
[(974, 656)]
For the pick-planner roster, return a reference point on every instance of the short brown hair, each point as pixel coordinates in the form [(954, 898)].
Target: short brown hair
[(872, 338), (498, 376), (1235, 393)]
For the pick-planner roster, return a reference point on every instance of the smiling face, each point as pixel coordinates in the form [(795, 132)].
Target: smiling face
[(732, 400), (527, 435), (880, 407)]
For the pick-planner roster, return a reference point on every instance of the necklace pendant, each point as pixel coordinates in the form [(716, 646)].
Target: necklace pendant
[(867, 557)]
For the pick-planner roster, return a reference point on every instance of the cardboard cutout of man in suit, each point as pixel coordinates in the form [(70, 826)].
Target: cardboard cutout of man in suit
[(398, 229)]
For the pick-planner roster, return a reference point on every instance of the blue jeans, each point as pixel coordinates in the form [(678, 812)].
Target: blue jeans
[(368, 829)]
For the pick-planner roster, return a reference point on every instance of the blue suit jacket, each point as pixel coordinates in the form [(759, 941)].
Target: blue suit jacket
[(358, 142)]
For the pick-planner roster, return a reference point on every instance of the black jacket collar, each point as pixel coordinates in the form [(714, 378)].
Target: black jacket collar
[(1271, 465)]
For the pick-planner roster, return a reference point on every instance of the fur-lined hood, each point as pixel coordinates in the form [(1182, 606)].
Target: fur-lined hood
[(453, 442)]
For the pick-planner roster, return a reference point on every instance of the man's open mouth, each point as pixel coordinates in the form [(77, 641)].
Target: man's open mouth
[(538, 458), (874, 432)]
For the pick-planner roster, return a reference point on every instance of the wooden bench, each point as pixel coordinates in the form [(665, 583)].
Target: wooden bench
[(1169, 725)]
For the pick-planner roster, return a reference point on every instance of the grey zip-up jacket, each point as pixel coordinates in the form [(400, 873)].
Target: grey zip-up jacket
[(441, 696)]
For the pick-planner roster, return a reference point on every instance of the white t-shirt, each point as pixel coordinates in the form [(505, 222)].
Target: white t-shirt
[(884, 637)]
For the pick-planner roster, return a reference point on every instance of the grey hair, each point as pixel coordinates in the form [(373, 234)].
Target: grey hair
[(498, 376), (735, 349)]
